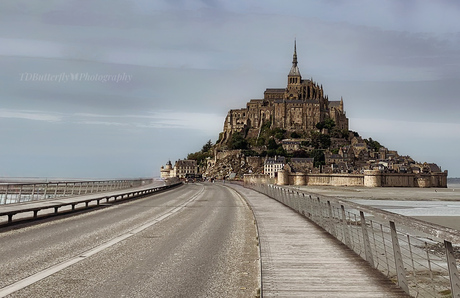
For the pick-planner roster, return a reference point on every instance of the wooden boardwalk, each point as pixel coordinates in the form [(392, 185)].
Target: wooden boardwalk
[(299, 259)]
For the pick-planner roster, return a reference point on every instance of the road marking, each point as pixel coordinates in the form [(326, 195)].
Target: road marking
[(58, 267)]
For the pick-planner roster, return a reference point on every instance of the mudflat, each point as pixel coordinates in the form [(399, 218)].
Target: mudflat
[(386, 193), (435, 205)]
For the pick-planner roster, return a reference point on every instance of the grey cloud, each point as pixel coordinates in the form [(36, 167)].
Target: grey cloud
[(391, 62)]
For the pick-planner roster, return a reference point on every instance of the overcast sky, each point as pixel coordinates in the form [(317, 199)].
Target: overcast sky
[(110, 89)]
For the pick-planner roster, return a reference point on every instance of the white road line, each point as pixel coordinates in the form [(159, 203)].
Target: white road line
[(56, 268)]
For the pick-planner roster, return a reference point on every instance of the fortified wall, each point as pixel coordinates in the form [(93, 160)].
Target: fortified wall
[(370, 178)]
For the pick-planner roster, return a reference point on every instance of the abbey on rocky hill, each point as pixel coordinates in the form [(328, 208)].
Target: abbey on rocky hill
[(298, 107)]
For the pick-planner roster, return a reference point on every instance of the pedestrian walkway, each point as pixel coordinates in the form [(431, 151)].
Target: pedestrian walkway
[(299, 259)]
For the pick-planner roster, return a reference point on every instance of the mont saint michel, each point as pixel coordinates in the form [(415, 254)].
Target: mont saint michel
[(296, 135)]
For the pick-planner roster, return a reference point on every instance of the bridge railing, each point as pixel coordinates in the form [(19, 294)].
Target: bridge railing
[(19, 193), (418, 256)]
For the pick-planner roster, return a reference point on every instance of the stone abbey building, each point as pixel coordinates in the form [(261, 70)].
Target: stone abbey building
[(298, 107)]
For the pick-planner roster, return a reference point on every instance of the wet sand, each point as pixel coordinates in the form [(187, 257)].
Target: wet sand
[(387, 193), (436, 205), (446, 221)]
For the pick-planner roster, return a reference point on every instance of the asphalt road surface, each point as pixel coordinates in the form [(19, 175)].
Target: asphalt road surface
[(197, 240)]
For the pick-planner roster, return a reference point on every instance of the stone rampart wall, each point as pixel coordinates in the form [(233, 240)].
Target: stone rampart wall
[(258, 178), (399, 180), (369, 179), (334, 180)]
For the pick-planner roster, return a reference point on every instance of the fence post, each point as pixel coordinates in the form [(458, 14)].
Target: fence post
[(303, 204), (298, 202), (319, 212), (46, 190), (399, 264), (331, 219), (33, 192), (367, 243), (289, 198), (18, 200), (6, 193), (345, 227), (311, 208), (453, 272)]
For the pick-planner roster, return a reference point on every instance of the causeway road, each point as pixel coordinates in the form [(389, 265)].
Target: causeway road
[(196, 240)]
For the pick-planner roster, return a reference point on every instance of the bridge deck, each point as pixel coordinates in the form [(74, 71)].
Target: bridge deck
[(299, 259), (46, 205)]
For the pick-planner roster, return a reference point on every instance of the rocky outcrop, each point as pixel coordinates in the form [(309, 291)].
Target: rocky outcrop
[(234, 164)]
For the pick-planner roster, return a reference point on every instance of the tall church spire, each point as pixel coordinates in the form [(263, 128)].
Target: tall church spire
[(294, 57), (294, 69)]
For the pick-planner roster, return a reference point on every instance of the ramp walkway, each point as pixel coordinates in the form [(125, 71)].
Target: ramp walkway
[(299, 259)]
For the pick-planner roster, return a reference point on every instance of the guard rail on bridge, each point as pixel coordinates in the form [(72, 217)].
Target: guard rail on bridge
[(419, 256), (19, 193), (83, 200)]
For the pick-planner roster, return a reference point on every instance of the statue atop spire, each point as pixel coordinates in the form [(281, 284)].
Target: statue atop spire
[(294, 69)]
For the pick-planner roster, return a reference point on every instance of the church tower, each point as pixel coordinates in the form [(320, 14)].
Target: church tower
[(294, 78)]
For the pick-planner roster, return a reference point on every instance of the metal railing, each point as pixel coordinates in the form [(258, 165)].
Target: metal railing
[(418, 256), (20, 193)]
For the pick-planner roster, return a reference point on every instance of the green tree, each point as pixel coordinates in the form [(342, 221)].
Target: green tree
[(320, 125), (280, 151), (319, 140), (202, 155), (237, 141), (260, 141), (272, 145), (206, 147), (278, 133), (329, 123), (318, 155), (300, 153), (295, 135), (305, 143), (199, 156), (374, 145), (324, 141), (265, 126), (314, 135)]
